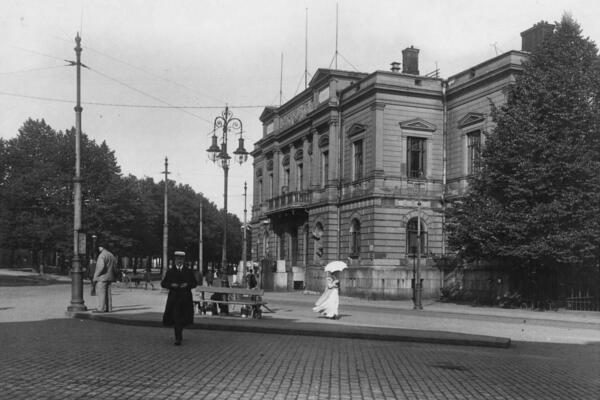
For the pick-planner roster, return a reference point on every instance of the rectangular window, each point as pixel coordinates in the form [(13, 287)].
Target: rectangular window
[(260, 190), (415, 157), (357, 165), (286, 181), (282, 246), (299, 177), (355, 239), (271, 186), (324, 168), (473, 151), (412, 240), (294, 240)]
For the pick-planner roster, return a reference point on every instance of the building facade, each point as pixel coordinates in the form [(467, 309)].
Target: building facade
[(360, 166)]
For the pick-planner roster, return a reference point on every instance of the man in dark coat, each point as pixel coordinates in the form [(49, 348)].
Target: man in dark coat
[(179, 310)]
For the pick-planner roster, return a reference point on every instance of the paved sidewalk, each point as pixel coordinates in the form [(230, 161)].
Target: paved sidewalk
[(386, 320)]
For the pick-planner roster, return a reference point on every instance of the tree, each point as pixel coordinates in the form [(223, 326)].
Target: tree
[(36, 198), (536, 201), (35, 189)]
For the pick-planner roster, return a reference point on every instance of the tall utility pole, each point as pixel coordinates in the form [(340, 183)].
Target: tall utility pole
[(77, 303), (336, 33), (281, 81), (165, 258), (200, 245), (306, 52), (244, 233)]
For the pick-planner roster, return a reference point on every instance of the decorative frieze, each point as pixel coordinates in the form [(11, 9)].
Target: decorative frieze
[(297, 114)]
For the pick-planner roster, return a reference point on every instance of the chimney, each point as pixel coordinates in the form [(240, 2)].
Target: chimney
[(410, 61), (534, 36), (395, 66)]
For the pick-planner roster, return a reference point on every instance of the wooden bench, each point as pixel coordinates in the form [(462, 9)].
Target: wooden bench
[(251, 299), (135, 279)]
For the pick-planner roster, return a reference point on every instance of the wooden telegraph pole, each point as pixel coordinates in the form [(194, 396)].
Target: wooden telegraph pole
[(165, 258), (77, 303), (200, 261)]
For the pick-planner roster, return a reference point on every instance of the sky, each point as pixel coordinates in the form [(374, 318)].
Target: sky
[(160, 71)]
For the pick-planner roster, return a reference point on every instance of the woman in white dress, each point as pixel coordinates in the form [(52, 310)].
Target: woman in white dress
[(329, 301)]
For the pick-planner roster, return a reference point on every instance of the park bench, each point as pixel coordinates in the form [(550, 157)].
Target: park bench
[(136, 279), (251, 299), (128, 279)]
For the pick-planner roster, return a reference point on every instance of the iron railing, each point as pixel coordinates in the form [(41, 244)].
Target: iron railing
[(289, 200)]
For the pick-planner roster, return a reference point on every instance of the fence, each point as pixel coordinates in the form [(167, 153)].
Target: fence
[(581, 301)]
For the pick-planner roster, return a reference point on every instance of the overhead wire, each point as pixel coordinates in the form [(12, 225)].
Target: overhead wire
[(152, 74), (166, 105), (93, 103), (38, 53), (345, 59), (146, 94), (30, 70), (194, 91), (299, 83)]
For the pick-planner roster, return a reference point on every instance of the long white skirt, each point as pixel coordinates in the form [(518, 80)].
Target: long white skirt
[(328, 303)]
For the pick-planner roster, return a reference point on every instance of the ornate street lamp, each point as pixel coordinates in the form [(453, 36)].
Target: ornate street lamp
[(227, 124)]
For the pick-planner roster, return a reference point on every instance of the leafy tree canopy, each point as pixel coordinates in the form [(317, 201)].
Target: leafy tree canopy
[(36, 193), (536, 200)]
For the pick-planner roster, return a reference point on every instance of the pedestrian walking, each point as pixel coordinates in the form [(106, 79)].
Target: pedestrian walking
[(251, 279), (329, 302), (179, 310), (147, 276), (104, 275)]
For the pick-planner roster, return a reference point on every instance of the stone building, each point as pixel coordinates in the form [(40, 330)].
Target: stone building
[(356, 166)]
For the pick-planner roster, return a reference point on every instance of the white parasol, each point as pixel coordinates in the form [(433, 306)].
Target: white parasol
[(335, 266)]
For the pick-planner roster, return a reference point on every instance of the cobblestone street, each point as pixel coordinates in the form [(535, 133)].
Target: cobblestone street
[(75, 359)]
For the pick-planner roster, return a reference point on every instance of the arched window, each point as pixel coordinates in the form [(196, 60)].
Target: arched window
[(354, 238), (412, 239)]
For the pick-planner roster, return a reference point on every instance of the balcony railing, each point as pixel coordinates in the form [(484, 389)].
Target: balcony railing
[(289, 200)]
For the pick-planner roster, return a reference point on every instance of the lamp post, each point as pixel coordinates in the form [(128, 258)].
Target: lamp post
[(218, 154), (94, 237), (244, 234), (77, 303), (418, 289), (92, 262)]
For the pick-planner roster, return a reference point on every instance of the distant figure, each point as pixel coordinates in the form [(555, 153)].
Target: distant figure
[(147, 277), (329, 301), (104, 275), (209, 278), (251, 279), (179, 310)]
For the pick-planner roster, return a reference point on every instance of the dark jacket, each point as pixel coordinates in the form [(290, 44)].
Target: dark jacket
[(180, 302)]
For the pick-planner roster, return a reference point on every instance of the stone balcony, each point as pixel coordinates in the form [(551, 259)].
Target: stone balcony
[(288, 201)]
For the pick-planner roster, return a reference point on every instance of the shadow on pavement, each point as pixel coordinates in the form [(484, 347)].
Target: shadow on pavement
[(41, 280)]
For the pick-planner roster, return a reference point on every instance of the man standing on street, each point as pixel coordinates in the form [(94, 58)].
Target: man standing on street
[(103, 277), (179, 310)]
